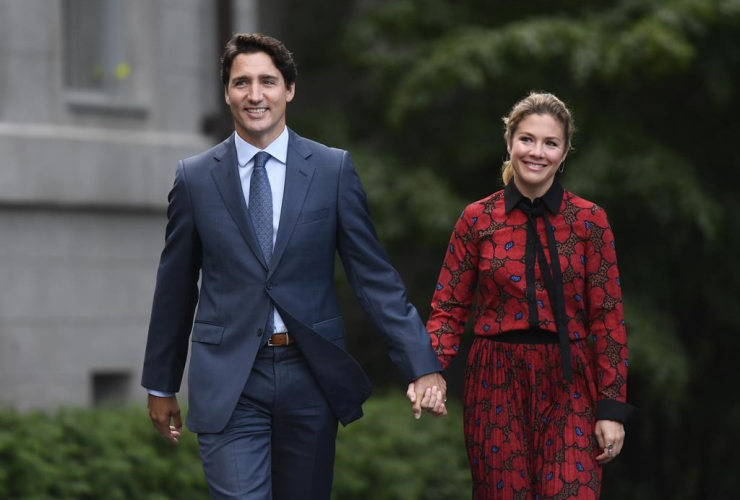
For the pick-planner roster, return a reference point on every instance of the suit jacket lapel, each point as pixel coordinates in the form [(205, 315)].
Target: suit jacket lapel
[(298, 175), (226, 175)]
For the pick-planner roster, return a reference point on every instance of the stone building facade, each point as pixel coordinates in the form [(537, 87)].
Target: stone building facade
[(98, 101)]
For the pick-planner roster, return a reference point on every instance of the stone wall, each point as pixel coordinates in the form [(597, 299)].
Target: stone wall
[(84, 177)]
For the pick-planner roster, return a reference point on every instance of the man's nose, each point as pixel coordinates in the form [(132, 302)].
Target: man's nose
[(254, 93)]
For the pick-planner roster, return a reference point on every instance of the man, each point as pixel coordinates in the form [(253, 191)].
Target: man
[(260, 217)]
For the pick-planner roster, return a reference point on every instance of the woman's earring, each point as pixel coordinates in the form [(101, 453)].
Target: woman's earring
[(562, 167)]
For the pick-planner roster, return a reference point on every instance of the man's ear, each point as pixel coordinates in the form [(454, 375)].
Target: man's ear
[(226, 95), (290, 93)]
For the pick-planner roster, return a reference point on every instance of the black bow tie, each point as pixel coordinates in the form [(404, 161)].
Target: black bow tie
[(535, 208)]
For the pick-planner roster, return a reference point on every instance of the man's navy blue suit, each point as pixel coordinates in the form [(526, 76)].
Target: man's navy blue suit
[(210, 236)]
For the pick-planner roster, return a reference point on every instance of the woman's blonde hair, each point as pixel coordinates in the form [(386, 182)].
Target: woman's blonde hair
[(536, 103)]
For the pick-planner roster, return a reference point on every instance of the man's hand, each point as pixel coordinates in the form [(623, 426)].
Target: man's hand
[(162, 411), (430, 393), (610, 435)]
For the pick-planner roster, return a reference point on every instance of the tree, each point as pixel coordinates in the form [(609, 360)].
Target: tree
[(653, 89)]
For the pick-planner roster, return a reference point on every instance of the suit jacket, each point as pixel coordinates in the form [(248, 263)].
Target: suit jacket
[(209, 233)]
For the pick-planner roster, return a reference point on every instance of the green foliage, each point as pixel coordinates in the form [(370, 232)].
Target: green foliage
[(93, 454), (653, 86), (413, 204), (630, 42), (387, 455), (117, 455)]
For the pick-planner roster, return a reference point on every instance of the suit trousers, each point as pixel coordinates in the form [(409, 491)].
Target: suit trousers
[(279, 443)]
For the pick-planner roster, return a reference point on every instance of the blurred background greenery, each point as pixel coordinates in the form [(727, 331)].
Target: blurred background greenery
[(416, 89), (82, 454)]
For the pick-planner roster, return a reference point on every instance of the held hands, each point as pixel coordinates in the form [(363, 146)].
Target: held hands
[(428, 392), (610, 435), (162, 411)]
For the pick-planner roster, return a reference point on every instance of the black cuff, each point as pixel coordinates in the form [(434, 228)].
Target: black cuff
[(611, 409)]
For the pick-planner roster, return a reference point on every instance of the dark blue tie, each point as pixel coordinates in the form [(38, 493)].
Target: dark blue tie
[(260, 204), (260, 211)]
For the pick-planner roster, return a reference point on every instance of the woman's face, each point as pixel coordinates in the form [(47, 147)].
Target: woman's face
[(537, 148)]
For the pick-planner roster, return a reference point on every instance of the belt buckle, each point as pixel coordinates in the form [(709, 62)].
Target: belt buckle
[(287, 340)]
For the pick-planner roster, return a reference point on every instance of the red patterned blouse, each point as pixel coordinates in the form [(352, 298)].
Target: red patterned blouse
[(488, 250)]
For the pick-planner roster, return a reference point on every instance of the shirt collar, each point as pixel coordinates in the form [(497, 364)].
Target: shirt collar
[(552, 198), (278, 149)]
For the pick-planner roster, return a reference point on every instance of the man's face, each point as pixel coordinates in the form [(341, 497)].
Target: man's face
[(257, 96)]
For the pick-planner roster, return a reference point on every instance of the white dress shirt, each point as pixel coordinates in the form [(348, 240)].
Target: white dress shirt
[(275, 167)]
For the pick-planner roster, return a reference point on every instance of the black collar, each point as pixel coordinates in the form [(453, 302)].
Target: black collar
[(552, 198)]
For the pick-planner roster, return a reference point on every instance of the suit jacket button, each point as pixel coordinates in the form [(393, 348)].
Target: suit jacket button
[(259, 332), (269, 285)]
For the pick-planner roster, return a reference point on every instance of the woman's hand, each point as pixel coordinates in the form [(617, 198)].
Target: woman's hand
[(428, 392), (610, 435)]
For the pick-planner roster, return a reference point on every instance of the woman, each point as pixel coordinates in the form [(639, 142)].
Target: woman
[(545, 383)]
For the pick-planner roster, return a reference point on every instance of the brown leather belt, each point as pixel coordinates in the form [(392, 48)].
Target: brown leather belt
[(280, 339)]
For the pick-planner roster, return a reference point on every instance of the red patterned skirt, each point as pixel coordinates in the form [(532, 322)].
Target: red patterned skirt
[(529, 434)]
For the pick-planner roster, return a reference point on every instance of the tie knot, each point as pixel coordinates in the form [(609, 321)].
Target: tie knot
[(260, 159), (535, 209)]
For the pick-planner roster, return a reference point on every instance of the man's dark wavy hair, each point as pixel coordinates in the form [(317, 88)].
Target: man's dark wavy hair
[(250, 43)]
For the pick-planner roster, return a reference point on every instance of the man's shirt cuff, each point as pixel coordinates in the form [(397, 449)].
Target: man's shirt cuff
[(161, 394)]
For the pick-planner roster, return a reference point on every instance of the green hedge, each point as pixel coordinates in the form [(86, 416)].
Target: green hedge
[(387, 455), (116, 454), (94, 455)]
